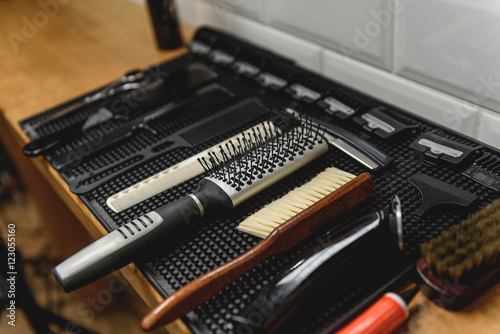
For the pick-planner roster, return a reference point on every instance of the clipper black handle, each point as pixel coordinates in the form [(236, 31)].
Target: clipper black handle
[(278, 300), (121, 246)]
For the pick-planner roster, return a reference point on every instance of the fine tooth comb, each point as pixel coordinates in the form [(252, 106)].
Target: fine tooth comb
[(239, 175), (178, 173), (105, 139), (223, 121), (463, 261), (315, 204)]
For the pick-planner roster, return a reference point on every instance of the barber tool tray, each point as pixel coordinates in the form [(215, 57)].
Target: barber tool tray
[(115, 146)]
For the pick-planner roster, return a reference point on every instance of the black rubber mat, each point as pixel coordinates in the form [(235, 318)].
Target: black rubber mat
[(213, 242)]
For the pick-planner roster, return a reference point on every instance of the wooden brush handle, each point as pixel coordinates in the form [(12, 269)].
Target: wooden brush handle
[(203, 288), (321, 213), (284, 237)]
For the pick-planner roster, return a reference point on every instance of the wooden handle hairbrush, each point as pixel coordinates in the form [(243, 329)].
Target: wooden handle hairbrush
[(463, 261), (282, 238)]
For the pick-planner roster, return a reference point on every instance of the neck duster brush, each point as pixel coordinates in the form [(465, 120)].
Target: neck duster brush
[(463, 261), (234, 176)]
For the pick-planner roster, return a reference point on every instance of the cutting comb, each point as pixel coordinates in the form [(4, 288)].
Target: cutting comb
[(192, 136)]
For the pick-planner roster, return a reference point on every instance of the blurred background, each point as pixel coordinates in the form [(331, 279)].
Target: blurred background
[(115, 308)]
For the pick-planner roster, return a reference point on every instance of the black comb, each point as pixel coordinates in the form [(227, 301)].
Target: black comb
[(105, 139), (224, 121), (485, 171), (151, 94)]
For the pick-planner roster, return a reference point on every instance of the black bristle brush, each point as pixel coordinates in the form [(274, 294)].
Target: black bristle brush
[(463, 261), (242, 170)]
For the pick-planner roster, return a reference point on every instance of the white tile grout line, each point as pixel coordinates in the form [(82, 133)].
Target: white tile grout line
[(322, 62), (264, 12), (480, 112), (478, 123), (394, 37)]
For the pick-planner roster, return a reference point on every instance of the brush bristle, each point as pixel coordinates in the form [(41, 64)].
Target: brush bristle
[(264, 221), (470, 247)]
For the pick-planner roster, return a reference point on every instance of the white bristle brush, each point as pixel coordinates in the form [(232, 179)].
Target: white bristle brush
[(267, 219), (178, 173)]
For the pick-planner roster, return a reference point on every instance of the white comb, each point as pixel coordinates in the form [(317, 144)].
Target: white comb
[(176, 174)]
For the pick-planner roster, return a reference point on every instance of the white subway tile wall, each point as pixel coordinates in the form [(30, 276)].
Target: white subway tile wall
[(255, 9), (437, 59), (360, 29), (453, 46), (489, 129), (306, 54), (222, 16), (415, 98), (197, 13)]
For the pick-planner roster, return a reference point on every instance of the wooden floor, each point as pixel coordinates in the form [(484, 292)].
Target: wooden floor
[(115, 310)]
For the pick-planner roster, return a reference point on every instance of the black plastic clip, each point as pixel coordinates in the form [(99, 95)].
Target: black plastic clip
[(436, 193), (269, 80), (382, 124), (303, 93), (436, 148)]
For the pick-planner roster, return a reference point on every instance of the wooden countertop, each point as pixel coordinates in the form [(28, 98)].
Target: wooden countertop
[(50, 56)]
